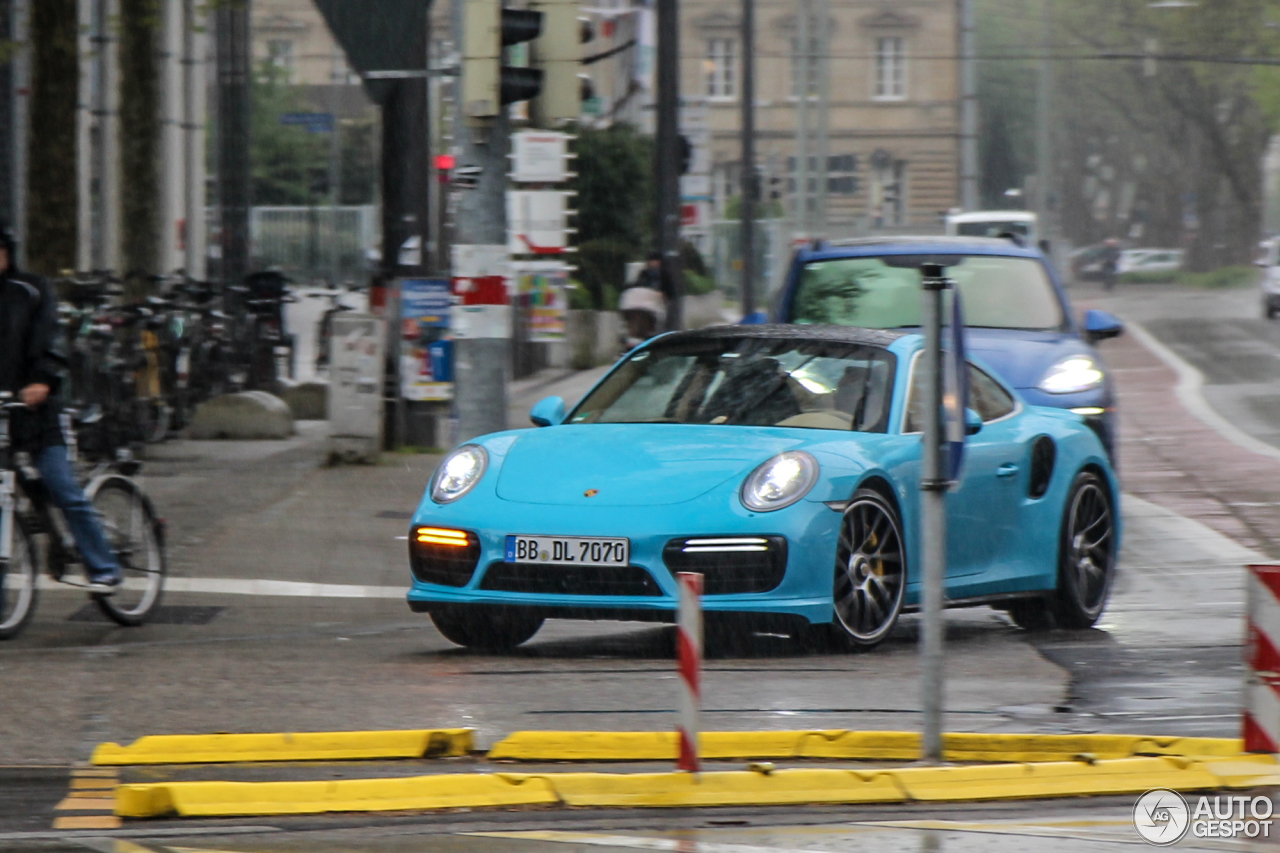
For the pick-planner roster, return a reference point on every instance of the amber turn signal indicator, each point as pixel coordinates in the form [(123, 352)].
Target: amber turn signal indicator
[(441, 536)]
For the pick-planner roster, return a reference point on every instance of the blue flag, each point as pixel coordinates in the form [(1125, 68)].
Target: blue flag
[(955, 388)]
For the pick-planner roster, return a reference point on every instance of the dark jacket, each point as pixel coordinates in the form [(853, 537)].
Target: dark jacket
[(28, 328)]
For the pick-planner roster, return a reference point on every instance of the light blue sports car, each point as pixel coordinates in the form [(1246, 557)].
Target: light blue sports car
[(782, 463)]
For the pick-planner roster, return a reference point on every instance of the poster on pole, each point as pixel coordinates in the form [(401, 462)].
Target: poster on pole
[(542, 287), (539, 156), (426, 369)]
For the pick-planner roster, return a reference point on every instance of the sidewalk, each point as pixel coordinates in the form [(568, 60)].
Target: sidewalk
[(1171, 458)]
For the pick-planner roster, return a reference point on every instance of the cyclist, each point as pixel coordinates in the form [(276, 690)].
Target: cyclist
[(29, 371)]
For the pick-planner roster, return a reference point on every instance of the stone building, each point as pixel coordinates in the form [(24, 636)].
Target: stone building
[(893, 108)]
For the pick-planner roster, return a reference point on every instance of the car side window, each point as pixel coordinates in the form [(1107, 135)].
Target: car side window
[(987, 397)]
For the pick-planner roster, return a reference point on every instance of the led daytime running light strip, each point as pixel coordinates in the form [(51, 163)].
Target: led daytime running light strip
[(443, 536), (703, 546)]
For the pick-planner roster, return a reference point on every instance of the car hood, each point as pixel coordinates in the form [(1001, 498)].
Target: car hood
[(1020, 357), (631, 464)]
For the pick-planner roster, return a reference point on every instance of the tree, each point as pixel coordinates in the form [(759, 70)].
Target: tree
[(290, 164), (615, 204), (51, 177), (139, 143)]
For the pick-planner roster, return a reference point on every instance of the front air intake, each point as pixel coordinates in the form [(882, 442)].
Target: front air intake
[(730, 564)]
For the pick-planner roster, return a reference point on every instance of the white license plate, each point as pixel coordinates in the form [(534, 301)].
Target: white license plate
[(568, 550)]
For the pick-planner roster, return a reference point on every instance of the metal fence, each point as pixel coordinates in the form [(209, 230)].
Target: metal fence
[(773, 253), (330, 244)]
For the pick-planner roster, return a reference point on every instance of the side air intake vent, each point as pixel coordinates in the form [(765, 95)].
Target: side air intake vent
[(1043, 454)]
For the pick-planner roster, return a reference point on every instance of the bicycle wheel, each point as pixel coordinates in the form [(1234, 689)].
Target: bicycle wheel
[(134, 533), (18, 583)]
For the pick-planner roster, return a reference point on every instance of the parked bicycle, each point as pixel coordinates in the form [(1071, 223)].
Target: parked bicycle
[(129, 520)]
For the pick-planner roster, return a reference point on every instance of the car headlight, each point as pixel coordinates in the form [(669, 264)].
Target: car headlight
[(1071, 375), (458, 473), (780, 482)]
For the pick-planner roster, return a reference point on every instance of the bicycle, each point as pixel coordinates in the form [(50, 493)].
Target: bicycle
[(133, 530)]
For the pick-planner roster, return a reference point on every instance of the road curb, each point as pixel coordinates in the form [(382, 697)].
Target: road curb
[(299, 746), (759, 787)]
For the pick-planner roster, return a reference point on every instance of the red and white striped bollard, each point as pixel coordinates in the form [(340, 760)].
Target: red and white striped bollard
[(1261, 718), (689, 655)]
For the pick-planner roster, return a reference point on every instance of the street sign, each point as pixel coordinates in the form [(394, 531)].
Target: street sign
[(537, 222), (466, 177), (312, 122), (539, 156)]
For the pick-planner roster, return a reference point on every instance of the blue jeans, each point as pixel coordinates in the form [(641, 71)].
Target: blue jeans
[(82, 518)]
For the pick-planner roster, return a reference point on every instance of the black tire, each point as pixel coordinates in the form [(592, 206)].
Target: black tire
[(18, 591), (135, 534), (1086, 553), (870, 572), (1031, 614), (489, 629)]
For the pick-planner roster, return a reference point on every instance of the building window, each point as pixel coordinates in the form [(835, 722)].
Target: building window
[(281, 59), (721, 68), (842, 178), (891, 68), (800, 60)]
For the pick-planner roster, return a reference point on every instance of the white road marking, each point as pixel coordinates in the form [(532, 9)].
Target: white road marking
[(258, 586), (680, 845)]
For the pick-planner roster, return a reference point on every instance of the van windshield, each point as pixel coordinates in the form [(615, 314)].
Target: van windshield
[(884, 292), (992, 228)]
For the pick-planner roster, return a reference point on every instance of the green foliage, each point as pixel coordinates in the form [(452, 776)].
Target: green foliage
[(602, 269), (290, 165), (1219, 279), (615, 187), (51, 212), (696, 284)]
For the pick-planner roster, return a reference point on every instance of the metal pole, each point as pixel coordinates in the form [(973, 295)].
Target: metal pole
[(750, 179), (234, 115), (480, 267), (21, 35), (933, 485), (968, 108), (84, 137), (822, 64), (8, 180), (1044, 154), (335, 166), (805, 77), (193, 123), (667, 156)]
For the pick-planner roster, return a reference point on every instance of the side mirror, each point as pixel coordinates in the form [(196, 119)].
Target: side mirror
[(972, 422), (549, 411), (1099, 325)]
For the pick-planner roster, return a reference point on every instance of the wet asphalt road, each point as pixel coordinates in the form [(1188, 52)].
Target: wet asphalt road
[(306, 662)]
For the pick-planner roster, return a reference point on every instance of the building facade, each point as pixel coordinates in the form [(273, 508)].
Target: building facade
[(890, 98)]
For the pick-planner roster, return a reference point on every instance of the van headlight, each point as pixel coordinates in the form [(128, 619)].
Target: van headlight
[(458, 473), (1071, 375), (780, 482)]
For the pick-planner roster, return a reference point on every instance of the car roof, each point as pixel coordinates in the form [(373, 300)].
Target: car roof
[(925, 245), (993, 215), (881, 338)]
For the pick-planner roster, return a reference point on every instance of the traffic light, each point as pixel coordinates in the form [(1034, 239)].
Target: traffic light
[(558, 53), (487, 84)]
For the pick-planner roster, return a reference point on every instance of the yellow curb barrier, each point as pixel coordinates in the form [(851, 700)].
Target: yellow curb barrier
[(851, 745), (722, 788), (300, 746), (725, 788), (412, 793), (1055, 779)]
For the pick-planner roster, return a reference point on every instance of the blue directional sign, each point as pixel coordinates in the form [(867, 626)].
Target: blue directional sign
[(312, 122)]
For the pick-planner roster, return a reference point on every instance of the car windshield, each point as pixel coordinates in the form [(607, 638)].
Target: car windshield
[(992, 228), (884, 292), (748, 382)]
